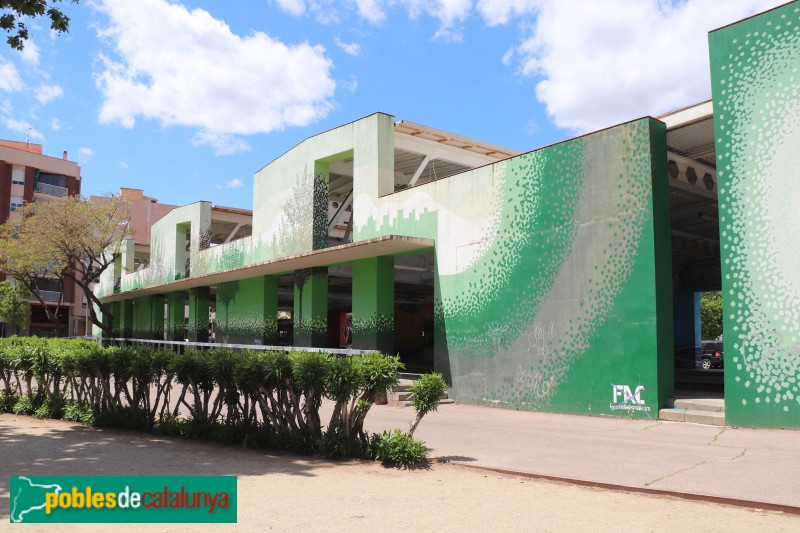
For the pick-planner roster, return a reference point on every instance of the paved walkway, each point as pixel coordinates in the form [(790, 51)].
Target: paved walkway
[(743, 464)]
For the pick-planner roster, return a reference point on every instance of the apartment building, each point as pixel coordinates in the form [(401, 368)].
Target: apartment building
[(27, 175)]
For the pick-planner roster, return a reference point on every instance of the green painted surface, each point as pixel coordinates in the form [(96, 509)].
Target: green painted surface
[(143, 327), (176, 316), (373, 304), (552, 284), (754, 69), (126, 319), (247, 311), (198, 314), (311, 307)]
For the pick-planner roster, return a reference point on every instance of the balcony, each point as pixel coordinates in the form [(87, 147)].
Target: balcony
[(53, 190), (50, 296)]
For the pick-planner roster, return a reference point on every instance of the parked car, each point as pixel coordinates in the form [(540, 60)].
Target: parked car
[(711, 355)]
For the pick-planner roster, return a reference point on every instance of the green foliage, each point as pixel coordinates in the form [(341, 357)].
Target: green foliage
[(7, 402), (75, 412), (69, 240), (426, 395), (50, 408), (15, 11), (14, 307), (427, 392), (711, 314), (24, 406), (254, 399), (397, 448)]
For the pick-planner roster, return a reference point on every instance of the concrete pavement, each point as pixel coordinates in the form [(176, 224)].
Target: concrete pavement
[(754, 465)]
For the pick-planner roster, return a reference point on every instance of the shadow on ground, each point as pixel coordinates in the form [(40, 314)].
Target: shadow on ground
[(33, 447)]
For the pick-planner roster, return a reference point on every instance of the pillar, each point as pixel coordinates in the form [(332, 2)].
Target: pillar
[(311, 307), (176, 313), (198, 314), (126, 319), (373, 304), (247, 311)]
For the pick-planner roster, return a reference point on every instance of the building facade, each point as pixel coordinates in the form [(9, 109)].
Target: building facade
[(26, 175), (562, 279)]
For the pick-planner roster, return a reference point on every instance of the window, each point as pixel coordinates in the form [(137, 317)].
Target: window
[(16, 202), (18, 176)]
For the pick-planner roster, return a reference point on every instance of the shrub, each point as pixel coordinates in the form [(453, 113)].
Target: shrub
[(24, 406), (397, 448), (50, 408), (7, 402), (426, 395), (75, 412)]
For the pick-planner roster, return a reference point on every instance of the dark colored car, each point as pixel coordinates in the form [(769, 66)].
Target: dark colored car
[(711, 355)]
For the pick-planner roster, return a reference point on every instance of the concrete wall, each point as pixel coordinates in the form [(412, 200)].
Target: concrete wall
[(754, 67), (553, 282)]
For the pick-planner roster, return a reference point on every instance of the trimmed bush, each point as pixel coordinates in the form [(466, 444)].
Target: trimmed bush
[(255, 399), (397, 448)]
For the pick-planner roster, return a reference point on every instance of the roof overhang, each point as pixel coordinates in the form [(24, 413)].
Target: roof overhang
[(345, 253)]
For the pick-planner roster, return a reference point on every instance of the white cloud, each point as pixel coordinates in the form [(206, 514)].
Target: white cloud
[(601, 63), (223, 143), (55, 124), (48, 93), (233, 184), (123, 165), (370, 10), (352, 49), (351, 83), (185, 68), (496, 12), (85, 152), (292, 7), (30, 54), (449, 12), (9, 76), (6, 107), (23, 126)]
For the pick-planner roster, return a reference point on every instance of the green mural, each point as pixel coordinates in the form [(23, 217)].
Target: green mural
[(755, 79), (373, 304), (247, 311), (548, 278)]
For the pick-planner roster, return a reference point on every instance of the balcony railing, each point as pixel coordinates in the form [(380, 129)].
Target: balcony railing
[(53, 190), (50, 296)]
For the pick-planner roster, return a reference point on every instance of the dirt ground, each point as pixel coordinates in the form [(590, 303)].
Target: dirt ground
[(285, 492)]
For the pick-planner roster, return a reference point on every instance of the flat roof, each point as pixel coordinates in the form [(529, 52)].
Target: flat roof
[(345, 253)]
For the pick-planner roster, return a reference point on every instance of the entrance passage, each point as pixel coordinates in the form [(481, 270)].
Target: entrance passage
[(694, 225)]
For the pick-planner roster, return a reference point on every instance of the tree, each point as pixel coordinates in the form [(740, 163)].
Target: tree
[(14, 307), (711, 314), (67, 239), (15, 11)]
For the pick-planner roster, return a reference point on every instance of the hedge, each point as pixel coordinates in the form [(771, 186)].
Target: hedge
[(252, 398)]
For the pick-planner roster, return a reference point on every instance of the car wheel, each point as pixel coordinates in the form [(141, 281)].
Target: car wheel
[(706, 364)]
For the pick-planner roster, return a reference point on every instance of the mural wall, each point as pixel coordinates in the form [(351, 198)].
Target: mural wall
[(553, 286), (754, 67)]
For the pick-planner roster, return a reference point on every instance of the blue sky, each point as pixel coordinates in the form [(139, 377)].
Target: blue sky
[(186, 100)]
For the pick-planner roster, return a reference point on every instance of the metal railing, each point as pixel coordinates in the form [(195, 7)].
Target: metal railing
[(180, 346), (54, 190)]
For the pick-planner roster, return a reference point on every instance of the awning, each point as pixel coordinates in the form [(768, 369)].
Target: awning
[(345, 253)]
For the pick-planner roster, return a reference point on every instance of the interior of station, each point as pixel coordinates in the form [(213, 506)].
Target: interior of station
[(694, 225)]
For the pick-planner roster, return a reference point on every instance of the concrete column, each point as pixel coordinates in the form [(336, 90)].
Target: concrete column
[(247, 311), (373, 304), (126, 324), (320, 198), (176, 314), (198, 314), (311, 308)]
